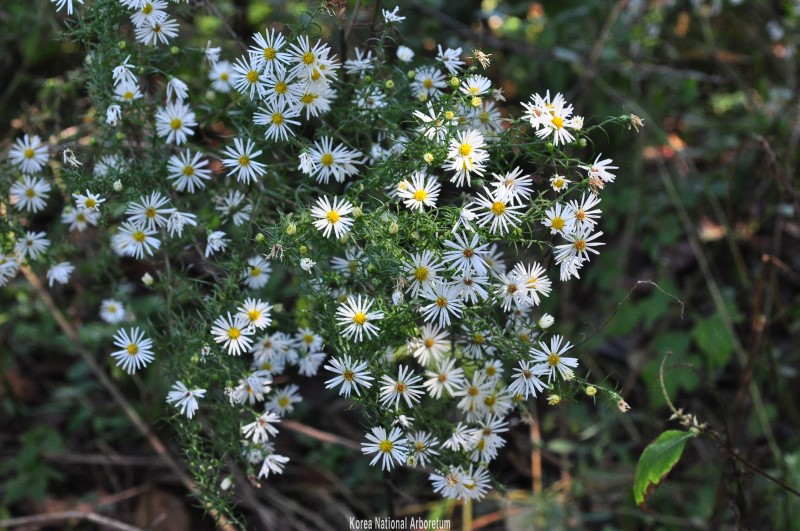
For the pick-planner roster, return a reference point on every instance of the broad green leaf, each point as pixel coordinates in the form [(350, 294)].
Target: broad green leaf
[(714, 341), (657, 460)]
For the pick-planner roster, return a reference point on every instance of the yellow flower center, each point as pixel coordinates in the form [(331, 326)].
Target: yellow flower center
[(283, 401), (429, 343), (557, 223), (133, 349), (128, 95), (465, 149), (360, 318), (498, 208), (252, 76), (188, 171), (349, 375), (441, 302), (224, 76), (419, 446), (254, 272), (175, 124), (558, 122), (420, 195), (400, 387), (332, 217), (421, 273), (234, 333), (277, 118), (428, 83), (553, 359), (580, 215), (308, 58), (29, 153), (484, 117), (29, 193), (449, 115), (468, 253), (281, 87), (442, 377), (327, 159), (491, 370), (512, 288), (254, 315), (479, 339), (580, 245), (473, 391), (148, 8), (244, 160), (150, 212), (269, 54), (138, 236), (386, 446)]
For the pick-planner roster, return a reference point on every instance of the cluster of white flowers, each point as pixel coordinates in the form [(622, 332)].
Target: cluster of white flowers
[(394, 233)]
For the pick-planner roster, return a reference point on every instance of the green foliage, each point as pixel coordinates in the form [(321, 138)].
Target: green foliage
[(657, 460), (28, 475)]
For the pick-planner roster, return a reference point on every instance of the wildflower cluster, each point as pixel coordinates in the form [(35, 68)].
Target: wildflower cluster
[(399, 197)]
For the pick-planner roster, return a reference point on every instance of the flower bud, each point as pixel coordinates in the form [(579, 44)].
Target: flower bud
[(117, 185), (411, 74), (147, 280), (546, 321), (428, 157), (291, 229), (389, 84), (394, 228), (303, 249), (591, 390), (260, 238), (454, 82), (174, 50)]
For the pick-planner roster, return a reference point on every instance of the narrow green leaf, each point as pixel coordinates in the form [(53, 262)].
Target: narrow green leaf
[(657, 460)]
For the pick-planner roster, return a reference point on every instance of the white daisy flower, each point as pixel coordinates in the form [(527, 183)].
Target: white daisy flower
[(267, 52), (525, 379), (466, 255), (581, 243), (451, 59), (233, 206), (257, 273), (350, 374), (390, 449), (406, 386), (59, 273), (235, 333), (445, 376), (185, 399), (445, 301), (149, 212), (599, 169), (355, 317), (405, 54), (215, 242), (240, 161), (534, 280), (421, 446), (431, 344), (337, 162), (559, 183), (422, 271), (221, 76), (421, 191), (501, 216), (585, 212), (552, 358), (475, 85), (33, 245), (332, 217), (273, 463), (112, 311), (277, 116), (256, 312), (189, 171), (262, 428), (154, 32), (30, 194), (283, 399), (513, 187), (559, 218), (253, 388), (466, 156), (175, 122), (29, 154), (69, 3), (428, 82), (136, 349)]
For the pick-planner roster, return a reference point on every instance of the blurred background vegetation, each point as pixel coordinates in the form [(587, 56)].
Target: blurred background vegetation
[(702, 261)]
